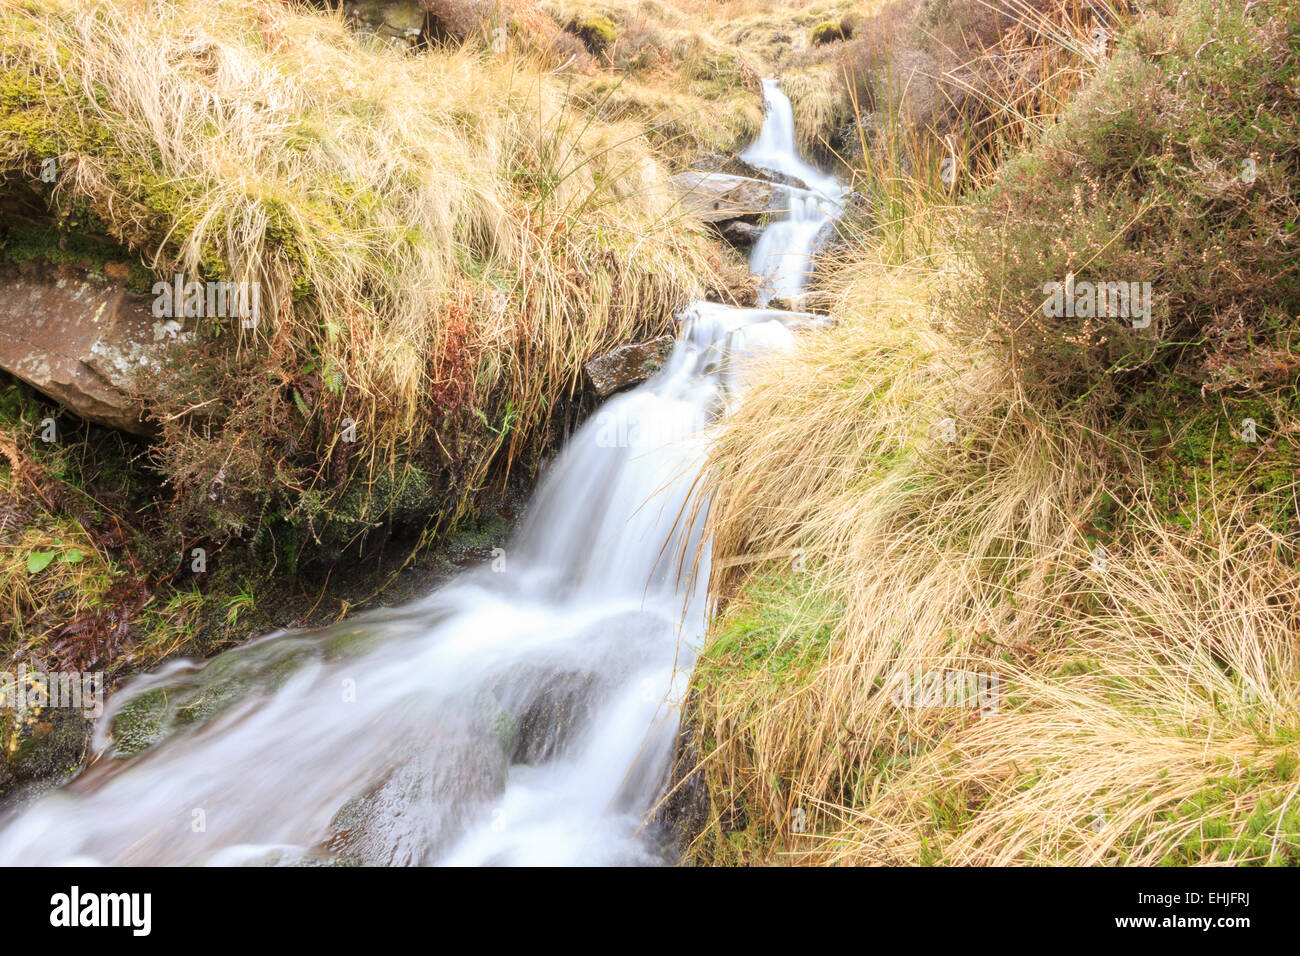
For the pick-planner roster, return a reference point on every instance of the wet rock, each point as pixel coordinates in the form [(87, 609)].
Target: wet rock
[(683, 812), (740, 233), (82, 340), (398, 19), (42, 747), (425, 804), (561, 708), (812, 301), (718, 197), (628, 365)]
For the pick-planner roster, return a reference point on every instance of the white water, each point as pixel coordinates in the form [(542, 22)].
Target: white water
[(523, 714), (783, 254)]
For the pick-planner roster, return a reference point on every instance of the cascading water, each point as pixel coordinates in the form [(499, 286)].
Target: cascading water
[(525, 713), (783, 253)]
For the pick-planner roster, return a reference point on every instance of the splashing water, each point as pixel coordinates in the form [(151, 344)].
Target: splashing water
[(525, 713)]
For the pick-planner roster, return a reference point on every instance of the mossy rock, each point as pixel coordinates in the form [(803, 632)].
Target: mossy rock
[(596, 32), (828, 31)]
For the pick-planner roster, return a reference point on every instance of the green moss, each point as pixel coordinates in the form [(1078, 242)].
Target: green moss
[(828, 31), (1263, 830), (140, 724), (27, 242), (778, 628), (1200, 456), (596, 32)]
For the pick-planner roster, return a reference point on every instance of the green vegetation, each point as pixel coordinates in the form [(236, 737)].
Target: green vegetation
[(828, 31), (596, 32)]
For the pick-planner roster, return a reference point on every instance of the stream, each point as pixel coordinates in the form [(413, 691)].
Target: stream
[(525, 713)]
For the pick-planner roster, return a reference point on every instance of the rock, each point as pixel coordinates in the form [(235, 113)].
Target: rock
[(718, 197), (783, 304), (398, 19), (81, 340), (564, 704), (735, 166), (628, 365), (740, 233), (683, 812)]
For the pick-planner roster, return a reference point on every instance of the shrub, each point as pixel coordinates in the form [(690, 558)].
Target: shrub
[(1153, 175), (828, 31), (596, 32)]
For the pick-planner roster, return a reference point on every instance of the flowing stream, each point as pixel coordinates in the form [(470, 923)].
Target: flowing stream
[(783, 254), (524, 713)]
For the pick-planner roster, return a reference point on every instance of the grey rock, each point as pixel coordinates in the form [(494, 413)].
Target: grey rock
[(740, 233), (628, 365), (718, 197)]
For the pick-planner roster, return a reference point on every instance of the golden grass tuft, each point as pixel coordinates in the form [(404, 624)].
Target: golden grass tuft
[(1147, 707), (435, 235)]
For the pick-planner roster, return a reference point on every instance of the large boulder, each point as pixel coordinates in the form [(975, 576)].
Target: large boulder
[(82, 339), (718, 197)]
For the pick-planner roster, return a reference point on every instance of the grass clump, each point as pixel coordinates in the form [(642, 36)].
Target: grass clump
[(596, 32), (972, 489), (828, 31), (440, 242)]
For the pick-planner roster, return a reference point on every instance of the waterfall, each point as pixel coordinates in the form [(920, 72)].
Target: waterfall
[(783, 254)]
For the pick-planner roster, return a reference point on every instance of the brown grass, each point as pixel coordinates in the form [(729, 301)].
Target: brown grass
[(1133, 592), (441, 239)]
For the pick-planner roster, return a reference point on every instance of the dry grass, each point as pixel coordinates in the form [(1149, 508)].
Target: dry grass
[(1148, 704), (667, 70), (1160, 726), (439, 239), (892, 499)]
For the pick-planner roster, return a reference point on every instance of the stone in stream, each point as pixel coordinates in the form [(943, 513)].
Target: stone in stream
[(735, 166), (81, 340), (741, 233), (682, 811), (719, 197), (563, 705), (426, 803), (628, 365)]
